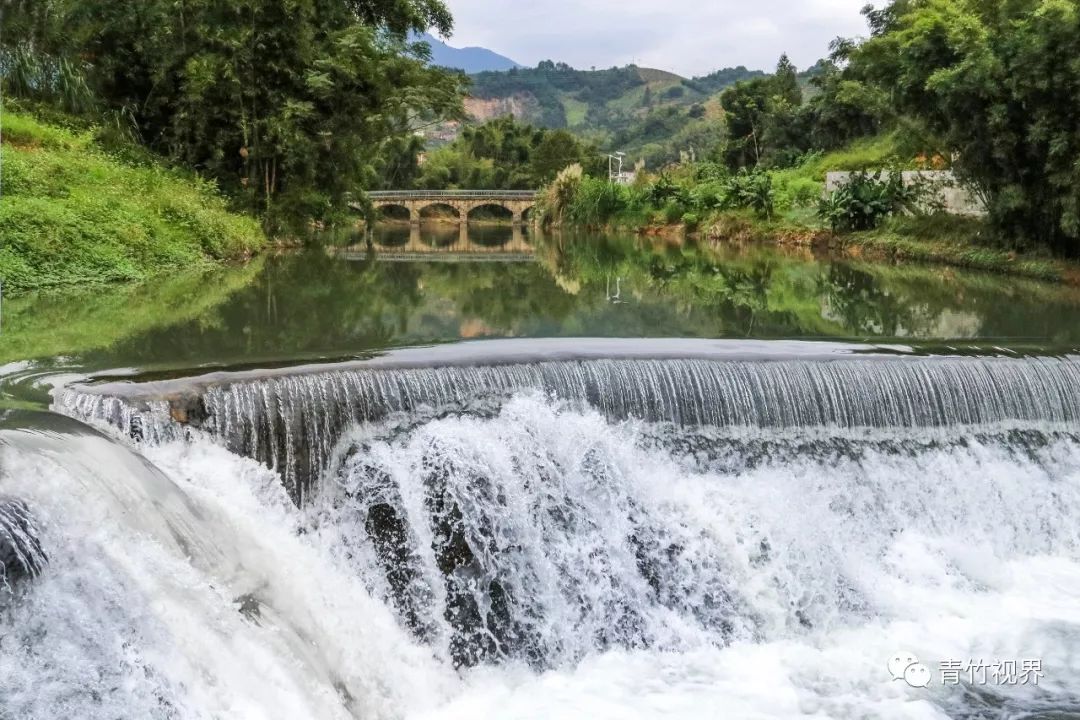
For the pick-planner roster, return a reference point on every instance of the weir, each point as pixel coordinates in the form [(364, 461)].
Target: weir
[(605, 513), (293, 420)]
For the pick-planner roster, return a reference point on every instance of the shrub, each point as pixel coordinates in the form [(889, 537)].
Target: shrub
[(798, 192), (559, 195), (664, 189), (597, 201), (709, 195), (751, 190), (672, 212), (865, 200)]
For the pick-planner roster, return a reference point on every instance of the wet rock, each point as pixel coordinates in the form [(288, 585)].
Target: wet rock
[(393, 543), (188, 410), (21, 554), (250, 607)]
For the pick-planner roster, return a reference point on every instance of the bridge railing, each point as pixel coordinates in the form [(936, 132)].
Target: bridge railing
[(452, 194)]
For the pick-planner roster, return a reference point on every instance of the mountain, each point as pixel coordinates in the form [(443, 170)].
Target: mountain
[(470, 59), (654, 116), (651, 114), (556, 95)]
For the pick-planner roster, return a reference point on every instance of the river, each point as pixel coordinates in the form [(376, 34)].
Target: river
[(490, 474)]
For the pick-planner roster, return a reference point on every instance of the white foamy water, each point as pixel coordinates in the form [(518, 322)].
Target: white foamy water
[(139, 612), (656, 582), (544, 561)]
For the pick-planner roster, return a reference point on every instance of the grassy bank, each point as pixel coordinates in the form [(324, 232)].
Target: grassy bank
[(956, 241), (935, 239), (695, 195), (73, 214), (782, 206)]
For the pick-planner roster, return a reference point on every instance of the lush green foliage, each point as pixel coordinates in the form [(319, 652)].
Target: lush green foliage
[(283, 102), (719, 80), (549, 82), (31, 74), (865, 200), (505, 154), (687, 198), (73, 214), (996, 80), (769, 124), (652, 115)]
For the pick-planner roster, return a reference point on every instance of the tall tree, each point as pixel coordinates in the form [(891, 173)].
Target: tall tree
[(997, 80), (785, 82), (764, 118), (505, 154), (284, 102)]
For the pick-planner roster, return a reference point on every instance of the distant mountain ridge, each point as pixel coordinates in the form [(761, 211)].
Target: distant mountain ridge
[(469, 59), (653, 115)]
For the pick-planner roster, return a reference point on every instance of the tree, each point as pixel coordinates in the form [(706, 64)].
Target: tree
[(283, 102), (504, 154), (765, 121), (745, 105), (785, 83), (997, 81), (556, 150), (845, 108)]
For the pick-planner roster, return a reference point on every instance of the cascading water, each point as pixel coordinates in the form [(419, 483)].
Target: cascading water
[(698, 536), (20, 550), (293, 423)]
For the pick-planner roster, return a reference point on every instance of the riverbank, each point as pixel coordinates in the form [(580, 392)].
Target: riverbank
[(781, 206), (74, 214), (936, 239)]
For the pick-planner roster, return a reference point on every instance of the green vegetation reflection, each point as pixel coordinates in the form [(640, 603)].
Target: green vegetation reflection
[(318, 304)]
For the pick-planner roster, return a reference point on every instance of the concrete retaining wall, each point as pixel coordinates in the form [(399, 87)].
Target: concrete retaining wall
[(943, 187)]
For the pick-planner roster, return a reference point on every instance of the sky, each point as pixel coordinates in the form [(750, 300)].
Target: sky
[(689, 37)]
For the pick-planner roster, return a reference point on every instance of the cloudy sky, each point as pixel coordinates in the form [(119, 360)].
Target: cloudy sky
[(690, 37)]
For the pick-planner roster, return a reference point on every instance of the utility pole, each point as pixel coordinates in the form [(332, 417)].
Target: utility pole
[(613, 174)]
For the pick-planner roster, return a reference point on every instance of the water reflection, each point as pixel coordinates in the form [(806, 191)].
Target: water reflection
[(440, 241), (351, 300)]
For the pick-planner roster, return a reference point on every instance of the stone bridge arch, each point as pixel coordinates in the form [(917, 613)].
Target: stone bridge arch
[(518, 202)]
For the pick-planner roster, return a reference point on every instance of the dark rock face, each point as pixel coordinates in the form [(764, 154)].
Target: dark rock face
[(21, 555)]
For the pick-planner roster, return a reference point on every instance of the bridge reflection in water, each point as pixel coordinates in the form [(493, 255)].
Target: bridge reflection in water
[(441, 242)]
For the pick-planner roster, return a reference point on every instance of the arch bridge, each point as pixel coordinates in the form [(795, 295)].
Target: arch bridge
[(518, 202)]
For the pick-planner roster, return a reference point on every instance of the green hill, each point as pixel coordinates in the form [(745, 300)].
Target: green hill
[(648, 113), (652, 115)]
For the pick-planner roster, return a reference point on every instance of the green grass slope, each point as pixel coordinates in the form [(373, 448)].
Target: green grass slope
[(72, 214)]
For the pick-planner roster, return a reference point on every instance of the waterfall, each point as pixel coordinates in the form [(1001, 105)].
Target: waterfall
[(545, 535), (550, 534), (20, 550), (292, 423)]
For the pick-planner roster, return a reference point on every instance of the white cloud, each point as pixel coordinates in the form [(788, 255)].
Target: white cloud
[(690, 37)]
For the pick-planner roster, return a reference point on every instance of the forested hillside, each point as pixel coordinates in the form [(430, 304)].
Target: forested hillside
[(649, 113)]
